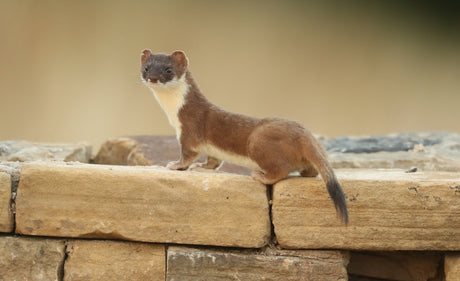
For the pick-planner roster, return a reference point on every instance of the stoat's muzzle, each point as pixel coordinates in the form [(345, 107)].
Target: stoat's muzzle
[(151, 80), (148, 76)]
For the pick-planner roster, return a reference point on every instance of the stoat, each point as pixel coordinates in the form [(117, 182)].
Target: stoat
[(272, 147)]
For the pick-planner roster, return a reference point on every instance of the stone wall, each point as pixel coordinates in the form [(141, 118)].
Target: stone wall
[(67, 220)]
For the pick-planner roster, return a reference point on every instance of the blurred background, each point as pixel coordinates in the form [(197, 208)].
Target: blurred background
[(69, 70)]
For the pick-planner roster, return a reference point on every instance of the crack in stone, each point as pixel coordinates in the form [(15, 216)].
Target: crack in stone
[(61, 268)]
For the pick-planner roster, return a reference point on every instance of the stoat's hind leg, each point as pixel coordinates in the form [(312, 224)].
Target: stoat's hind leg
[(309, 171), (273, 167), (271, 177)]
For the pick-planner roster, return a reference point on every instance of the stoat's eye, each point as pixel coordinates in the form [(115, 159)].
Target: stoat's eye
[(169, 70), (146, 68)]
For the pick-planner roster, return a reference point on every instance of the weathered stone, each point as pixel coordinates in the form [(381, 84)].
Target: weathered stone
[(31, 259), (24, 151), (209, 264), (109, 260), (412, 266), (388, 209), (6, 216), (149, 150), (150, 204), (452, 266), (390, 143), (441, 151), (115, 151)]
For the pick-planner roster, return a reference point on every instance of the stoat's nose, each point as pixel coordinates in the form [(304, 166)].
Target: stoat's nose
[(148, 77)]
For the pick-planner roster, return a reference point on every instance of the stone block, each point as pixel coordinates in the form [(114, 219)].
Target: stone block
[(210, 264), (111, 260), (388, 209), (142, 204), (13, 169), (24, 151), (452, 266), (401, 266), (31, 259), (6, 215)]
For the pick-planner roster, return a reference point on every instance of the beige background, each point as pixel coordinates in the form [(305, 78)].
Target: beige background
[(69, 70)]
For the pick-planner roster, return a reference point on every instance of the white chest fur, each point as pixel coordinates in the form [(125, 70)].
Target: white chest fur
[(171, 97)]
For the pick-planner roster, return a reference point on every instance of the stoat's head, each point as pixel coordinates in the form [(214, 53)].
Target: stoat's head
[(159, 70)]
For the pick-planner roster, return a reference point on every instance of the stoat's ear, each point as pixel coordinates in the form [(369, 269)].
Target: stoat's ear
[(145, 55), (180, 59)]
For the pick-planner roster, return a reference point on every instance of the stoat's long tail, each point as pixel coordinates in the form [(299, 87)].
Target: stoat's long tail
[(335, 191), (334, 188)]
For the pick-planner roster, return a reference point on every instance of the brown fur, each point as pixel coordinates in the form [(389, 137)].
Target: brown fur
[(278, 146)]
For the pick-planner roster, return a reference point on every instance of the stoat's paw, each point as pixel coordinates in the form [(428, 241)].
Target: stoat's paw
[(201, 165), (176, 165), (195, 166), (258, 176)]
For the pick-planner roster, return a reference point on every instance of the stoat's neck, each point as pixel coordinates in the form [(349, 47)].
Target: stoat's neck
[(171, 97)]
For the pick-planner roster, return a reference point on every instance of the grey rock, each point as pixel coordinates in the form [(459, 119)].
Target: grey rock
[(390, 143), (24, 151), (440, 152)]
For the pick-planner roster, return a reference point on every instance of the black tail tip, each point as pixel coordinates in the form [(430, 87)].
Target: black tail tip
[(338, 197), (343, 215)]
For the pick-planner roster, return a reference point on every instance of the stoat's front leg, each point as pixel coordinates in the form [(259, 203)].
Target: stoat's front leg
[(187, 157)]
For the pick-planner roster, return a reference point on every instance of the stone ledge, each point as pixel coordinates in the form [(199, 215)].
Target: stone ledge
[(6, 215), (142, 204), (389, 210)]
